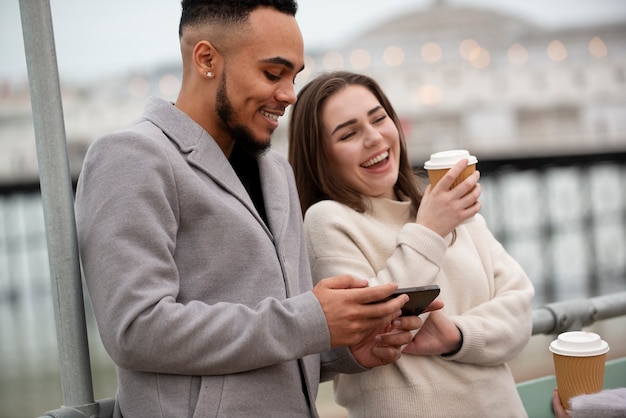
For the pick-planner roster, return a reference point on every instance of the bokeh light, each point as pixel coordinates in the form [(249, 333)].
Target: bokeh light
[(360, 59), (598, 48), (429, 95), (469, 48), (480, 58), (138, 87), (393, 56), (517, 54), (169, 85), (333, 61), (557, 51), (431, 52)]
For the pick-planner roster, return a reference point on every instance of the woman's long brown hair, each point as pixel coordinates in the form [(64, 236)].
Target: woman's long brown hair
[(314, 175)]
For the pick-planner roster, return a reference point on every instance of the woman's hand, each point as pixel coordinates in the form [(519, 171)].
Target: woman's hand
[(557, 407), (437, 336), (384, 346), (442, 209)]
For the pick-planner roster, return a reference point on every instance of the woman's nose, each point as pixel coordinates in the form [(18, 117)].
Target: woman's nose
[(372, 136)]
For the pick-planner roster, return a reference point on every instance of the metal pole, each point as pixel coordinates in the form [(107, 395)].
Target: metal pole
[(58, 203)]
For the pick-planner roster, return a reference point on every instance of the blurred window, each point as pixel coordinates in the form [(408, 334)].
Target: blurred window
[(546, 126)]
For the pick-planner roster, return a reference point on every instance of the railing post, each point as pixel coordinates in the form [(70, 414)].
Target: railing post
[(58, 204)]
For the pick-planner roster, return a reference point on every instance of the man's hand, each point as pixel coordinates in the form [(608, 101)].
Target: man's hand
[(350, 314)]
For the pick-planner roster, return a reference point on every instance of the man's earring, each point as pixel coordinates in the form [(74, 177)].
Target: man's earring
[(209, 74)]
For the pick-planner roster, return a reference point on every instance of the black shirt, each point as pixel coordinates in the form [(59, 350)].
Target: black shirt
[(247, 169)]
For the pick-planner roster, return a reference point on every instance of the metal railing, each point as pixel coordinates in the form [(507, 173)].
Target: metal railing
[(558, 317)]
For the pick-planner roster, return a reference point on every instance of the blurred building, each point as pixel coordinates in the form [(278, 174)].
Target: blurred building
[(460, 77), (464, 77), (89, 112)]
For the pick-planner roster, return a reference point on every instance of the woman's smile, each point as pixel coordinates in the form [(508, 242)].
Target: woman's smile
[(377, 160)]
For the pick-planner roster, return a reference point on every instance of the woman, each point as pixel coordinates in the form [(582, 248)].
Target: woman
[(365, 215)]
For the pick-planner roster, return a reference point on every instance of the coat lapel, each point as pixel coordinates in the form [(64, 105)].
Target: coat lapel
[(198, 148), (201, 151), (275, 192)]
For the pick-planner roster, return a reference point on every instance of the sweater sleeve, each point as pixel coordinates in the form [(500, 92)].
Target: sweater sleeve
[(497, 330), (343, 241)]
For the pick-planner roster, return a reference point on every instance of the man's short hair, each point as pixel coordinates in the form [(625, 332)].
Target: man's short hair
[(199, 12)]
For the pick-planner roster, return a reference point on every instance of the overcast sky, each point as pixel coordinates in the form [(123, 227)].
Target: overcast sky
[(99, 38)]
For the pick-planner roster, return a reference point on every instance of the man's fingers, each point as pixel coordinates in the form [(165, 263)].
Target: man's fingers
[(378, 293), (345, 281)]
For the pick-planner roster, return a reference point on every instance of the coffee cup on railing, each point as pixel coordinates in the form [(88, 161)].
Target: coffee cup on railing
[(579, 359)]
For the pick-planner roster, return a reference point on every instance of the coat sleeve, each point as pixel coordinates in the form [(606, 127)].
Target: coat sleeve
[(339, 360)]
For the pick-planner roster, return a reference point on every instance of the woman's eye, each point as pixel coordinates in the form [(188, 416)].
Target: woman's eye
[(346, 136), (380, 118)]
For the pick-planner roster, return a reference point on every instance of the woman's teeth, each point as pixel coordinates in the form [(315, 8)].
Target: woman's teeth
[(376, 160)]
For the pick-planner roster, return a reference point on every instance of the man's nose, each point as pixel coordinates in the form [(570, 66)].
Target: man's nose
[(286, 93)]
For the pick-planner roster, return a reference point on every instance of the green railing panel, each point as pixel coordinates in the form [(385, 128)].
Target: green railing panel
[(536, 394), (615, 374)]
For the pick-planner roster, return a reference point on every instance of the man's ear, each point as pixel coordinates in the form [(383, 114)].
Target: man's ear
[(206, 59)]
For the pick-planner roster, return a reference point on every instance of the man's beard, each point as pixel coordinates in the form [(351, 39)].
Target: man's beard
[(241, 134)]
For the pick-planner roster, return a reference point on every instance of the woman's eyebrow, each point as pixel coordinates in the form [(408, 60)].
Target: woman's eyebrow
[(351, 121), (341, 125)]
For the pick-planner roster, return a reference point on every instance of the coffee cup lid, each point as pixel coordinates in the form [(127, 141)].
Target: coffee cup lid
[(579, 344), (446, 159)]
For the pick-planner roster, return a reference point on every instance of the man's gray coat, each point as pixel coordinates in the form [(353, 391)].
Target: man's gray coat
[(205, 310)]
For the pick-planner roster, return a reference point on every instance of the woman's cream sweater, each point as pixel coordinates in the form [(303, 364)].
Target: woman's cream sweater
[(485, 291)]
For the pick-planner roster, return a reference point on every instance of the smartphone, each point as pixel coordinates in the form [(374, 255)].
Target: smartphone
[(419, 298)]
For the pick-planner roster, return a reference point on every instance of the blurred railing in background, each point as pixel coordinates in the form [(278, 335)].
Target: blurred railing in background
[(563, 218)]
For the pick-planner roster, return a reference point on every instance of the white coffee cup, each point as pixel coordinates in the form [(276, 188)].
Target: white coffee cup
[(579, 359), (441, 162)]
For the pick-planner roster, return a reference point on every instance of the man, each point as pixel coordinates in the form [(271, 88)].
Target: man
[(191, 239)]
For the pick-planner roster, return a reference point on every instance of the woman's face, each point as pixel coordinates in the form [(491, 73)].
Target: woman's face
[(362, 142)]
